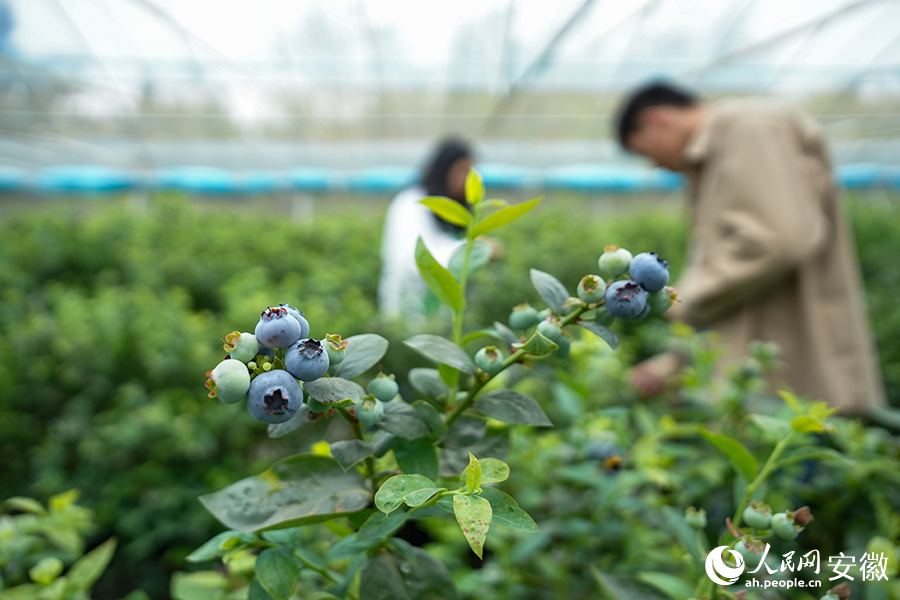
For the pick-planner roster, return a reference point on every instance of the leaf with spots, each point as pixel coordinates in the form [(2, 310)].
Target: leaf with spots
[(474, 515)]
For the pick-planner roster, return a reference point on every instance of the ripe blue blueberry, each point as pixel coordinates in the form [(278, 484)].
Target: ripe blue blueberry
[(229, 381), (490, 360), (277, 328), (241, 346), (383, 387), (304, 324), (274, 397), (625, 299), (306, 359), (369, 411), (614, 261), (649, 271), (523, 316), (591, 288)]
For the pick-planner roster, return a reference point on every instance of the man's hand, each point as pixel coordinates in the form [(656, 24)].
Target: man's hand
[(653, 376)]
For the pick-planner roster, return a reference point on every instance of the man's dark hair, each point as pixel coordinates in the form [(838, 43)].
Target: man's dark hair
[(654, 94), (434, 176)]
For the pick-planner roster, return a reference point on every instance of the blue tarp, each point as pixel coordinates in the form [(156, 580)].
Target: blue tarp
[(83, 178), (208, 180)]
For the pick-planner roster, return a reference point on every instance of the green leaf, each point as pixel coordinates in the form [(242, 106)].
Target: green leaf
[(214, 547), (511, 406), (26, 591), (428, 382), (334, 390), (301, 489), (88, 569), (257, 591), (417, 456), (199, 585), (807, 424), (350, 452), (473, 473), (443, 351), (735, 451), (300, 418), (777, 428), (604, 333), (401, 419), (448, 210), (506, 511), (474, 514), (502, 217), (493, 470), (479, 256), (804, 454), (551, 290), (431, 416), (23, 504), (791, 401), (439, 279), (363, 352), (278, 572), (380, 525), (381, 579), (404, 488), (508, 335), (474, 187), (539, 345), (671, 586), (449, 375)]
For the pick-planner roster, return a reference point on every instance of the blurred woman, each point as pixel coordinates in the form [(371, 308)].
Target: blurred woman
[(401, 290)]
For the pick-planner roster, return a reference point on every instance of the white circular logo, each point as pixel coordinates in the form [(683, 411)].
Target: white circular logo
[(716, 567)]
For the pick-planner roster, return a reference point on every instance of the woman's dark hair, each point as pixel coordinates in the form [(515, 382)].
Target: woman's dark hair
[(434, 176)]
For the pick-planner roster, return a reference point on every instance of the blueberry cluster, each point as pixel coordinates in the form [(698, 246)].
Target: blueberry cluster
[(605, 297), (264, 366)]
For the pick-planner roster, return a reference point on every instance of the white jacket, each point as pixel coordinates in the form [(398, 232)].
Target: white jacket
[(401, 290)]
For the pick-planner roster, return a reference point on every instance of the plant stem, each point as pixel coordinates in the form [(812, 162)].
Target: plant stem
[(323, 571), (767, 469), (510, 361)]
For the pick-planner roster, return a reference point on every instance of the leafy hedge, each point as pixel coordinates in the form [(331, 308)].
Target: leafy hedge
[(109, 319)]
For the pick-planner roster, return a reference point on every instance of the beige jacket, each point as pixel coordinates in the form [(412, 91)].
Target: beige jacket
[(772, 257)]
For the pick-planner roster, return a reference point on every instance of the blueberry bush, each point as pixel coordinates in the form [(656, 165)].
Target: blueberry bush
[(109, 320)]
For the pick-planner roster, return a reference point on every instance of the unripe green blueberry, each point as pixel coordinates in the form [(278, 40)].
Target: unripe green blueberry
[(695, 518), (758, 515), (229, 381), (662, 300), (490, 360), (784, 527), (370, 410), (241, 346), (565, 346), (591, 288), (750, 556), (335, 347), (523, 316), (614, 261), (545, 314), (383, 387), (550, 330), (316, 406)]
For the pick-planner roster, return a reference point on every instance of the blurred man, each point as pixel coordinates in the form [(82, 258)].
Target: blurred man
[(770, 257)]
